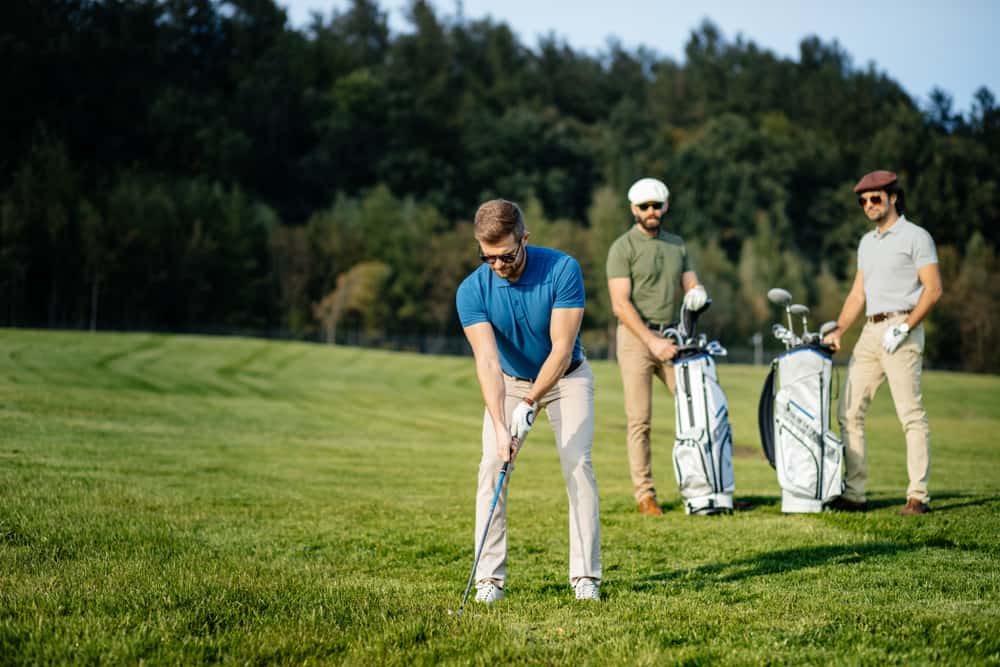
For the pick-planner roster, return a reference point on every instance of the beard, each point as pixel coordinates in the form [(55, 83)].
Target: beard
[(877, 220), (649, 224)]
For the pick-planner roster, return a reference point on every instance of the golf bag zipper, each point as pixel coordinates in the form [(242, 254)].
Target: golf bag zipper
[(708, 432), (822, 441)]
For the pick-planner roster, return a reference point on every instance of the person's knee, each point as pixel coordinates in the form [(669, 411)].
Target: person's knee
[(914, 419)]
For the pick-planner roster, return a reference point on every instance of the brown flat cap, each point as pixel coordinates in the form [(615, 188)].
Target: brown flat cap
[(876, 180)]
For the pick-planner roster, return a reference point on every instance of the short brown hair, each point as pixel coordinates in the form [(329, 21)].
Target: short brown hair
[(496, 219)]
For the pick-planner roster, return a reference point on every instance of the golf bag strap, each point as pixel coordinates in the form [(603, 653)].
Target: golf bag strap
[(765, 415)]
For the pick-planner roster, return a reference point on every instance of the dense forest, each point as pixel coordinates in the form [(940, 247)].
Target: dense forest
[(200, 165)]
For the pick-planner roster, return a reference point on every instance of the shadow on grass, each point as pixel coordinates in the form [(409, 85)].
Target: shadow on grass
[(751, 503), (940, 502), (774, 562)]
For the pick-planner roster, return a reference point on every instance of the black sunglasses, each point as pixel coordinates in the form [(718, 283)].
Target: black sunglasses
[(507, 258), (874, 199), (655, 205)]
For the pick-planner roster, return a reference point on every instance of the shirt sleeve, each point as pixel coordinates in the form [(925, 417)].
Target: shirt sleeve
[(569, 288), (618, 264), (924, 250), (470, 304), (685, 260)]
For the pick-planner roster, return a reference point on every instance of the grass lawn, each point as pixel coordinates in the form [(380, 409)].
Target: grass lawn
[(176, 499)]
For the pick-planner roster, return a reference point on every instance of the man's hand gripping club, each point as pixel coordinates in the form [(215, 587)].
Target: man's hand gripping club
[(521, 421)]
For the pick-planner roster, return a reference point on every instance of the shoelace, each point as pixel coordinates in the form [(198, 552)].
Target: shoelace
[(586, 590), (485, 592)]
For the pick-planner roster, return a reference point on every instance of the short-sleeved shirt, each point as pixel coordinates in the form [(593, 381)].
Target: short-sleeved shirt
[(889, 263), (521, 311), (655, 265)]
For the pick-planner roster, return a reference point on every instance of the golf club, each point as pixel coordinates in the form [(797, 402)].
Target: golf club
[(824, 329), (715, 349), (782, 297), (782, 334), (482, 541), (803, 312)]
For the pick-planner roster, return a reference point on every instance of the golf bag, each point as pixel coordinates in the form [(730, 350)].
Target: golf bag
[(795, 431), (703, 448)]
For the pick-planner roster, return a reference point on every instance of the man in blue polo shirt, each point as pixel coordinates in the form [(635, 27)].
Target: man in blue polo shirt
[(521, 312), (896, 285)]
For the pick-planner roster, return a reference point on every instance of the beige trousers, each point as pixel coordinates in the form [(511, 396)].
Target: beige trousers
[(638, 367), (570, 408), (869, 366)]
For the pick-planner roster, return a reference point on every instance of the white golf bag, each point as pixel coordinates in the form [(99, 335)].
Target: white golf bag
[(703, 449), (795, 429)]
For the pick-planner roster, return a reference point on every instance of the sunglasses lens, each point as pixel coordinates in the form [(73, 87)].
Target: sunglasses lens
[(493, 259), (874, 199), (654, 205)]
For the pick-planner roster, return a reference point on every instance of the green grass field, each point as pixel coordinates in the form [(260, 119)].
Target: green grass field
[(171, 499)]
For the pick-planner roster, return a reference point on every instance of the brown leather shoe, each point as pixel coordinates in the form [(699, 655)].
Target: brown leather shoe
[(914, 507), (842, 504), (649, 506)]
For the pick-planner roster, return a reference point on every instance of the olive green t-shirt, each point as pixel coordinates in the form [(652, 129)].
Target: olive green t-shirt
[(655, 265)]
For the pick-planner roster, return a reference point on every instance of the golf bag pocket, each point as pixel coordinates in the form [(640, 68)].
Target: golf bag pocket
[(833, 466), (703, 449), (798, 462), (690, 468)]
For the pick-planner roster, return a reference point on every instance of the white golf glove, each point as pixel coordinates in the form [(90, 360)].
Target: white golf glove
[(695, 298), (894, 337), (522, 420)]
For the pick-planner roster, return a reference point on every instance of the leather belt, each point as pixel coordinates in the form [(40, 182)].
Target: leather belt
[(881, 317), (653, 326), (573, 365)]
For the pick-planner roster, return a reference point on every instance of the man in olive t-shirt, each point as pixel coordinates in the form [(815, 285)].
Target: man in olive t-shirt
[(649, 272)]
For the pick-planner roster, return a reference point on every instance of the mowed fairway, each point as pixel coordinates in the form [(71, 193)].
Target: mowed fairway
[(180, 500)]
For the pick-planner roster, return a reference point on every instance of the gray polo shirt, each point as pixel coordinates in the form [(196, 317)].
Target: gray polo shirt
[(889, 263)]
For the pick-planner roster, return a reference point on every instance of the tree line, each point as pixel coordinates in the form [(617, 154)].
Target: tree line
[(201, 165)]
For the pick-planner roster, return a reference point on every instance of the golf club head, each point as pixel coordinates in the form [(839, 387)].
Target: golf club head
[(689, 318), (779, 297), (715, 349), (672, 332), (799, 310), (779, 331), (827, 327)]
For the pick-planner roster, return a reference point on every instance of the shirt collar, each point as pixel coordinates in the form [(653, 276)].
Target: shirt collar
[(895, 227), (528, 277)]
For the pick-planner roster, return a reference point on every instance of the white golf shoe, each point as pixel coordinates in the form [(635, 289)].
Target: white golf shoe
[(488, 592), (586, 589)]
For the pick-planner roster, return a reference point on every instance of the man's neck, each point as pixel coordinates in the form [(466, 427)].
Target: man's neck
[(888, 222)]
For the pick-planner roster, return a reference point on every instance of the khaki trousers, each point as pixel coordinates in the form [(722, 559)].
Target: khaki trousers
[(869, 366), (638, 367), (570, 408)]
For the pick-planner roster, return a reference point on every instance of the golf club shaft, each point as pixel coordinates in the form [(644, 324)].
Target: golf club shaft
[(482, 540)]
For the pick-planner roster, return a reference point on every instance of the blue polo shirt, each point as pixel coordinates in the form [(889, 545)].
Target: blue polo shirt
[(520, 312)]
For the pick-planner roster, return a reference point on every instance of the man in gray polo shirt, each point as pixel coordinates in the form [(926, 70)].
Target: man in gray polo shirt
[(897, 283)]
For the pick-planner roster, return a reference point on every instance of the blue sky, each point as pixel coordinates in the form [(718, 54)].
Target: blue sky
[(919, 43)]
